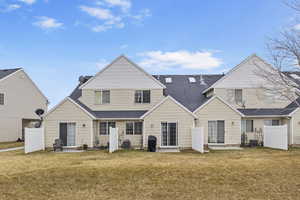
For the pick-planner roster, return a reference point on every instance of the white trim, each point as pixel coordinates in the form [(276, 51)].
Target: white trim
[(293, 112), (237, 67), (92, 134), (135, 65), (72, 101), (265, 116), (6, 77), (292, 130), (165, 99), (76, 131), (223, 101), (177, 134), (228, 73)]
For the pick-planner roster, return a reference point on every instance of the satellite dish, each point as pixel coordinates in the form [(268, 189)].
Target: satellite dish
[(39, 112)]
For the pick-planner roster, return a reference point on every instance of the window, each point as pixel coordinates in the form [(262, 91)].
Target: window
[(1, 99), (142, 96), (238, 95), (105, 96), (168, 80), (169, 134), (97, 97), (247, 126), (134, 128), (104, 127), (102, 97), (272, 122), (192, 80)]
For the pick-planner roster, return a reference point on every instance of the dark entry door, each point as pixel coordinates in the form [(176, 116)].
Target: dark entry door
[(63, 132)]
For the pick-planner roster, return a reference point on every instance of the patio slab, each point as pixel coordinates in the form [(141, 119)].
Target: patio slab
[(224, 148)]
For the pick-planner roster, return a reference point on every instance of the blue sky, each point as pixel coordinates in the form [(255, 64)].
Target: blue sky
[(56, 41)]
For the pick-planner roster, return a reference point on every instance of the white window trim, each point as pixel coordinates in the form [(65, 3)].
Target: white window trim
[(101, 97), (216, 144), (177, 135), (134, 128), (76, 131)]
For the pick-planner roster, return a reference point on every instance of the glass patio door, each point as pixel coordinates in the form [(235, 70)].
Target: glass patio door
[(169, 134), (216, 132)]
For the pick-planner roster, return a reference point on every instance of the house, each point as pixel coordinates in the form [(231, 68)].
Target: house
[(19, 98), (123, 95)]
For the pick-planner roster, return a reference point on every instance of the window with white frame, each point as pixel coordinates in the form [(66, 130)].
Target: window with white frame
[(238, 95), (169, 134), (1, 99), (247, 126), (272, 122), (134, 128), (104, 127), (102, 97), (142, 96)]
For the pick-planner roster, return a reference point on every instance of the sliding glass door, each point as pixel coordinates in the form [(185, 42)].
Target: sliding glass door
[(169, 134), (216, 131)]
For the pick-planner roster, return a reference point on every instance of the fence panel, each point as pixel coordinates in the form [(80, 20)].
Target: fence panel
[(113, 140), (276, 137), (198, 139), (34, 139)]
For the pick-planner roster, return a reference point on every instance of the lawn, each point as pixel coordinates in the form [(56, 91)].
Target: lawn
[(247, 174), (6, 145)]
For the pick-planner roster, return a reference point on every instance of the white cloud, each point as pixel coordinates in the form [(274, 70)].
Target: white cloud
[(297, 27), (99, 13), (142, 14), (181, 59), (125, 5), (101, 28), (47, 23), (28, 1), (101, 63), (12, 7)]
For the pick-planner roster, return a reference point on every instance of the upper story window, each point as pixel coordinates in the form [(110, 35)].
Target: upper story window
[(102, 97), (142, 96), (238, 95), (1, 99)]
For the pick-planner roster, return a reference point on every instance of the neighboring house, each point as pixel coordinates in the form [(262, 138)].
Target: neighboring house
[(123, 95), (19, 98)]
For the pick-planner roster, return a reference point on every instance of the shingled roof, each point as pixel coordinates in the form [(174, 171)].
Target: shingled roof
[(187, 93), (6, 72)]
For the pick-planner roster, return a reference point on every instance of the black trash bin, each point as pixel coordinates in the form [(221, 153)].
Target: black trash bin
[(152, 143)]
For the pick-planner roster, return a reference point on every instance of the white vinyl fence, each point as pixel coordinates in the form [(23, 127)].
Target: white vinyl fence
[(34, 139), (198, 139), (276, 137), (113, 140)]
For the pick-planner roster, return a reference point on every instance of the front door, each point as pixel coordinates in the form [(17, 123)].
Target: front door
[(67, 133), (216, 132)]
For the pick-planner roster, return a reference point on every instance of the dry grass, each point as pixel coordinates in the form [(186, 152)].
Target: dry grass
[(6, 145), (247, 174)]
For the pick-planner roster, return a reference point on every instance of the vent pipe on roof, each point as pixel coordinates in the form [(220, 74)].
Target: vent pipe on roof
[(202, 82)]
